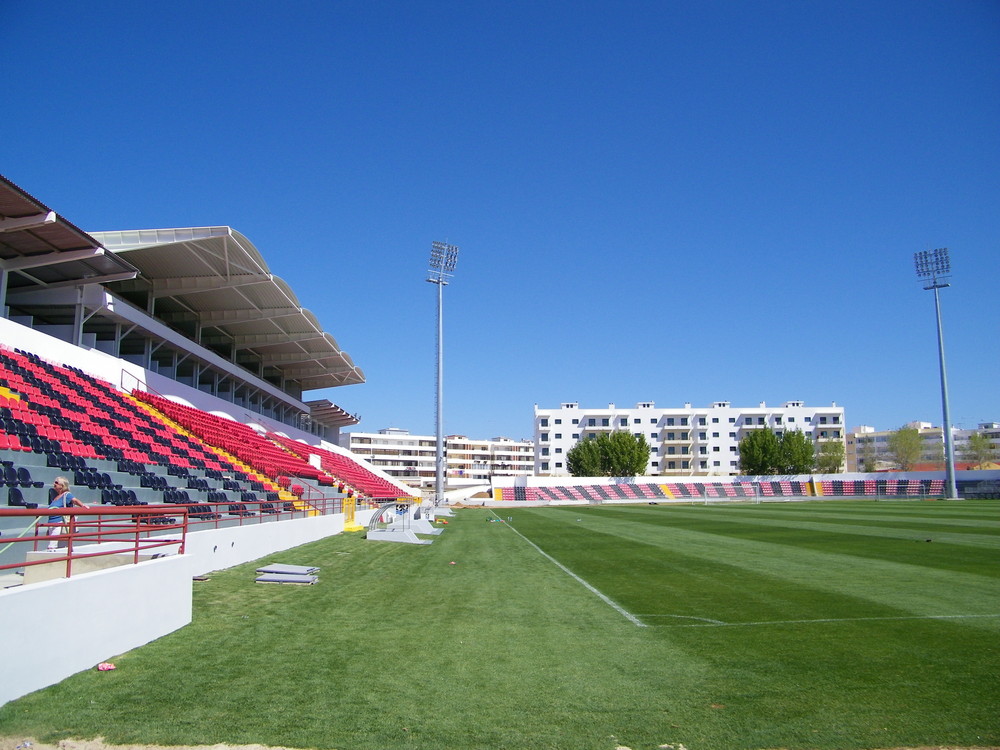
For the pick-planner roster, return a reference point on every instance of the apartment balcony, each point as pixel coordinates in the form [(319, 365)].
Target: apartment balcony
[(673, 436)]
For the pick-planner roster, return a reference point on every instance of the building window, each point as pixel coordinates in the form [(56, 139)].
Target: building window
[(545, 451), (670, 421), (558, 436), (715, 420), (732, 435), (777, 420), (715, 463), (544, 423), (702, 435), (791, 419), (545, 465), (543, 437), (715, 449), (715, 434), (655, 464), (604, 422), (703, 465), (592, 435), (671, 464), (558, 421), (703, 450), (623, 422), (671, 450), (652, 435), (636, 421), (701, 421), (558, 465), (576, 435), (576, 421), (591, 422), (684, 436), (685, 464), (684, 421)]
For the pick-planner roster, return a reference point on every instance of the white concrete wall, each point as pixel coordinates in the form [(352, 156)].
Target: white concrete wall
[(54, 629)]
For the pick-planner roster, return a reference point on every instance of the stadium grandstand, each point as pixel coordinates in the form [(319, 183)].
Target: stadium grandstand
[(166, 373), (662, 489)]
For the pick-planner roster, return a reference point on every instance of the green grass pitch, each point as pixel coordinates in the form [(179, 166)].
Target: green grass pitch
[(833, 624)]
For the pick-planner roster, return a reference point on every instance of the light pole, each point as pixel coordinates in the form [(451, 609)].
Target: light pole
[(441, 268), (934, 268)]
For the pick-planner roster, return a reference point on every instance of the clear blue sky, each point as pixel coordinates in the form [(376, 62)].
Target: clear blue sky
[(667, 201)]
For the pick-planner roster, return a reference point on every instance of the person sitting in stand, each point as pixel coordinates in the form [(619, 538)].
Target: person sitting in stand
[(63, 499)]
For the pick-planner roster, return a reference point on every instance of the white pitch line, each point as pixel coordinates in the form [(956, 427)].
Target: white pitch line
[(720, 624), (614, 605)]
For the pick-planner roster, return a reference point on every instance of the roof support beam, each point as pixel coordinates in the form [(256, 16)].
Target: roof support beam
[(214, 318), (21, 223), (195, 284), (51, 259), (251, 341)]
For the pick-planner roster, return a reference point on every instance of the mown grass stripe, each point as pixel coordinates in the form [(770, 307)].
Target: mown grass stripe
[(603, 597), (909, 587), (909, 518), (706, 623), (893, 531)]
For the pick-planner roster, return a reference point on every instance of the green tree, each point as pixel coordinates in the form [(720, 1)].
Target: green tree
[(795, 453), (627, 454), (905, 447), (620, 454), (979, 450), (830, 457), (869, 455), (584, 459), (760, 452)]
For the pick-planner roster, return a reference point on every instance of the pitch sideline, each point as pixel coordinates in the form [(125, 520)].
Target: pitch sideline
[(603, 597)]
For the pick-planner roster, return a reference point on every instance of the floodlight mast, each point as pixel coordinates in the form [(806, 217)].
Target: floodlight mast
[(444, 258), (934, 268)]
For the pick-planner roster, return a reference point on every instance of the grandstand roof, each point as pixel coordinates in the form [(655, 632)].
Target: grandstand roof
[(214, 278), (39, 248), (329, 413)]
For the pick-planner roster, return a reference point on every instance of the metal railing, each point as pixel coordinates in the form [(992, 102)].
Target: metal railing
[(87, 533)]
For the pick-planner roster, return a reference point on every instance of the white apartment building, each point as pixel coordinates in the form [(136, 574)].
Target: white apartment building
[(867, 449), (468, 462), (687, 441)]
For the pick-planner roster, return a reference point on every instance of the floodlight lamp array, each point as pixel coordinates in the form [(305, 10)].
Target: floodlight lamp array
[(933, 264), (444, 258)]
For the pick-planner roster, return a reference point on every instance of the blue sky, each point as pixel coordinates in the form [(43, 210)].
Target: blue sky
[(667, 201)]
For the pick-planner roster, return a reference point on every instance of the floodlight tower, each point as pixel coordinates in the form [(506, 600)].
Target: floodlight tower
[(444, 257), (934, 268)]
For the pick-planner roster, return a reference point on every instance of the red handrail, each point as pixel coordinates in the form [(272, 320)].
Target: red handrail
[(125, 528)]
